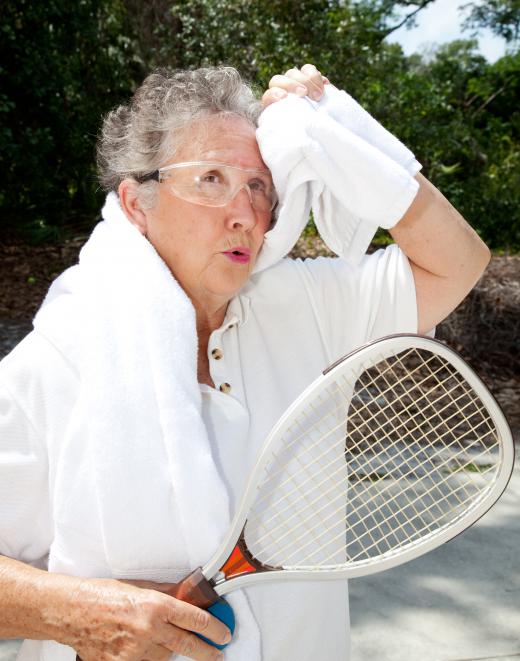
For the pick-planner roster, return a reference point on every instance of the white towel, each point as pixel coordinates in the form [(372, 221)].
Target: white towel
[(333, 157), (136, 469)]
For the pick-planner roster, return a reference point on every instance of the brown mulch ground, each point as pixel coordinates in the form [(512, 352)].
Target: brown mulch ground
[(485, 329)]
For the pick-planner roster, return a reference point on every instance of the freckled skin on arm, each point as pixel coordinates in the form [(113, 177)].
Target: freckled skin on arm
[(102, 619), (447, 256)]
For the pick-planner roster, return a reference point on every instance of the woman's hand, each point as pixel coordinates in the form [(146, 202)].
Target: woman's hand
[(306, 81), (118, 620)]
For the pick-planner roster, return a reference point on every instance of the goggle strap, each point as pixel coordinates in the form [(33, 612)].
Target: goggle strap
[(151, 176)]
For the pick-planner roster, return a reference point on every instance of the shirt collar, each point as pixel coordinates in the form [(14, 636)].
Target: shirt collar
[(237, 312)]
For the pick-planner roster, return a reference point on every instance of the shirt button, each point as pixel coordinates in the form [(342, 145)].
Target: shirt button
[(225, 387), (217, 354)]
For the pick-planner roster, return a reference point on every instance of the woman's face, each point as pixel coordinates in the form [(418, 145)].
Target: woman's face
[(197, 242)]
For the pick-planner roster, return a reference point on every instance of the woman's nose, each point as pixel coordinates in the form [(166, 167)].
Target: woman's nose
[(240, 209)]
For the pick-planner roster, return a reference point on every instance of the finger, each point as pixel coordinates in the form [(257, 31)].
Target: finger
[(272, 95), (290, 83), (315, 78), (310, 77), (189, 645), (301, 83), (303, 79), (188, 617), (157, 653)]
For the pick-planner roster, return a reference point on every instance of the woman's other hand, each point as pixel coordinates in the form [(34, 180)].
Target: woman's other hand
[(306, 81), (118, 620)]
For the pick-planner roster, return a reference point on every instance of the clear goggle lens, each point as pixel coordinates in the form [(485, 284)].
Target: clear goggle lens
[(216, 184)]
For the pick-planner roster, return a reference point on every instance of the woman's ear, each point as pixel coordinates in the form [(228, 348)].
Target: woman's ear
[(131, 205)]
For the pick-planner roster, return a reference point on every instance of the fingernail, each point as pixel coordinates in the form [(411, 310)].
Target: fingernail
[(279, 94), (315, 95), (227, 638), (301, 90)]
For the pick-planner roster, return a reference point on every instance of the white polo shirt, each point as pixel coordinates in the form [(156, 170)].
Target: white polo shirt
[(287, 325)]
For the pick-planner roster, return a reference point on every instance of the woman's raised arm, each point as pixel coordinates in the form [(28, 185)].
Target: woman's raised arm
[(446, 255)]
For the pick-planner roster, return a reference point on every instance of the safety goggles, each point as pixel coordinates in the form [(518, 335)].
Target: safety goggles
[(215, 184)]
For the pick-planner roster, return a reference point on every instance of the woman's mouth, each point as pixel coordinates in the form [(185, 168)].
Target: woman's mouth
[(239, 255)]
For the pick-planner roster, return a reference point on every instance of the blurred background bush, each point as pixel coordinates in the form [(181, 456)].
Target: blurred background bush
[(64, 64)]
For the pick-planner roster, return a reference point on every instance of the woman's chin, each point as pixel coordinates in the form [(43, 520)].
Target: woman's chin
[(227, 284)]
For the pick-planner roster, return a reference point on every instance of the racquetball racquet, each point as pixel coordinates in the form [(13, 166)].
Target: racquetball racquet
[(395, 449)]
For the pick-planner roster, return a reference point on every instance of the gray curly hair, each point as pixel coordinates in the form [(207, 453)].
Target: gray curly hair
[(139, 137)]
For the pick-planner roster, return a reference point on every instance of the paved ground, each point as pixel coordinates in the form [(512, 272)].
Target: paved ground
[(458, 603), (8, 650)]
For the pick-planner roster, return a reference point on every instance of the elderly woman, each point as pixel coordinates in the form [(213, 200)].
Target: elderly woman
[(131, 414)]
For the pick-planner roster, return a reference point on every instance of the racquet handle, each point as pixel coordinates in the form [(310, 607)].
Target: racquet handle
[(194, 589)]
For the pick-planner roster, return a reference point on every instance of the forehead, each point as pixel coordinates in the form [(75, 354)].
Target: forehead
[(227, 139)]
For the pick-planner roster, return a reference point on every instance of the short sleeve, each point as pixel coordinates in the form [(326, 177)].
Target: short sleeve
[(24, 491), (357, 304), (36, 392)]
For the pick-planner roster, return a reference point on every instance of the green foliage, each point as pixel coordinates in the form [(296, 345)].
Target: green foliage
[(502, 16), (63, 64), (460, 115), (71, 62)]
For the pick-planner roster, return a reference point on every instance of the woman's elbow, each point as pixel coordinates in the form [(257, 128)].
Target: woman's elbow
[(481, 256)]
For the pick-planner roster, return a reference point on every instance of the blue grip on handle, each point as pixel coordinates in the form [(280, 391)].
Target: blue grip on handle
[(223, 612)]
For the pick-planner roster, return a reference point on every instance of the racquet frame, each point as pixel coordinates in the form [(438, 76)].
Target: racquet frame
[(235, 553)]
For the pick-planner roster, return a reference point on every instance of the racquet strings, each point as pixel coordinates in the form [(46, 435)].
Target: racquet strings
[(376, 462)]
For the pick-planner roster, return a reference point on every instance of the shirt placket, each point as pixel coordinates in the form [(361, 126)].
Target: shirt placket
[(222, 358)]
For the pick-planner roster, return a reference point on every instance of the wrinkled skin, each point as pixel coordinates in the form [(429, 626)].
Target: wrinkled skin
[(134, 621)]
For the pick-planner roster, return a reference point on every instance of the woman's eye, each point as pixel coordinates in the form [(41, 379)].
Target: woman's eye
[(211, 178), (258, 185)]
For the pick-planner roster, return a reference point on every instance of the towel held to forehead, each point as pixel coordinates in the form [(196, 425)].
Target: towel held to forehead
[(334, 157)]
